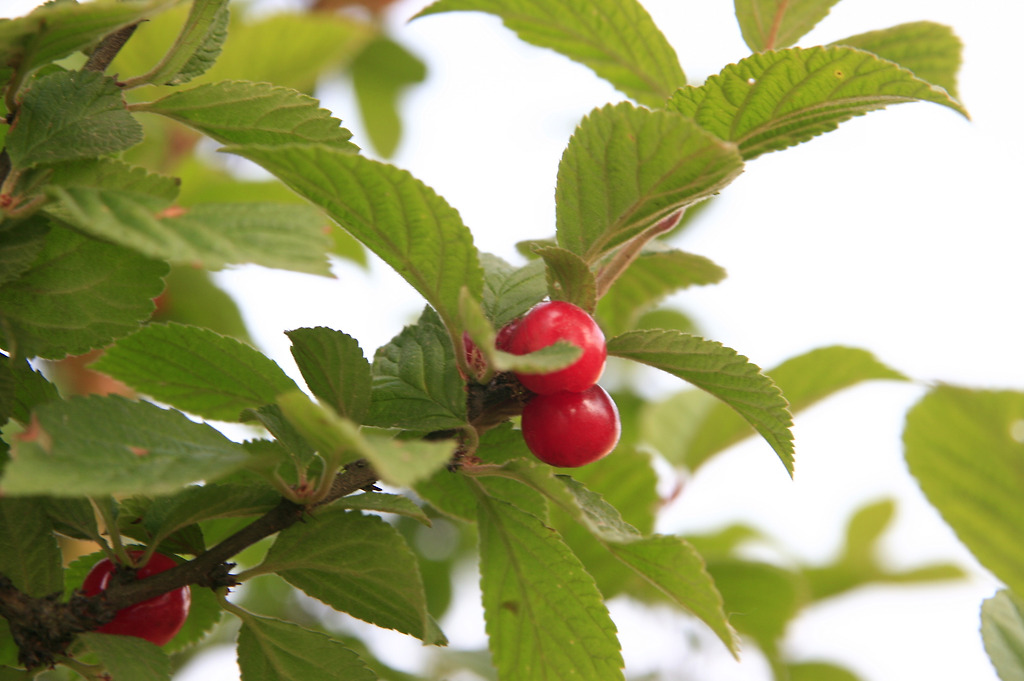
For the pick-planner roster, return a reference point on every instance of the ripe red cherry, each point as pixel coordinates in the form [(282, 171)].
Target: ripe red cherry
[(544, 325), (571, 429), (156, 620)]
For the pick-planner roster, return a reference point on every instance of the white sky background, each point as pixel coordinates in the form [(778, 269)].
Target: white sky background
[(900, 233)]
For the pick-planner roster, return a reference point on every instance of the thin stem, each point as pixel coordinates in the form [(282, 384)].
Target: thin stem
[(631, 250), (108, 49)]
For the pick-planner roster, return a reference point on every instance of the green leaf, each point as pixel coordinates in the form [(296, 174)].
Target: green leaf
[(29, 556), (720, 371), (196, 370), (52, 31), (403, 463), (932, 52), (272, 650), (95, 445), (383, 503), (192, 298), (195, 49), (69, 115), (774, 24), (240, 112), (569, 278), (21, 244), (392, 213), (657, 272), (381, 72), (204, 612), (617, 39), (966, 449), (804, 380), (819, 671), (196, 504), (510, 291), (774, 100), (28, 389), (1002, 629), (415, 382), (545, 618), (73, 517), (79, 294), (110, 173), (129, 657), (357, 564), (334, 368), (209, 235), (627, 168)]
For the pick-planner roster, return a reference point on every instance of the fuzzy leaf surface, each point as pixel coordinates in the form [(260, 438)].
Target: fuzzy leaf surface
[(241, 112), (91, 446), (111, 173), (774, 24), (274, 650), (334, 368), (78, 294), (199, 503), (510, 291), (69, 115), (129, 657), (966, 449), (617, 39), (196, 370), (719, 371), (29, 556), (392, 213), (20, 245), (545, 617), (773, 100), (626, 168), (1002, 629), (357, 564), (569, 278)]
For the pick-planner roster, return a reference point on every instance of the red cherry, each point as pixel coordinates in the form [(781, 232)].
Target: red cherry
[(571, 429), (156, 620), (544, 325)]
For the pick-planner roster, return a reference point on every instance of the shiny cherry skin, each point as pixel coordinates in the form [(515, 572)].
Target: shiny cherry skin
[(569, 429), (156, 620), (544, 325)]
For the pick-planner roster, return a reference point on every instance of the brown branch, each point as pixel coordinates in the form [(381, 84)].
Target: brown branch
[(108, 49)]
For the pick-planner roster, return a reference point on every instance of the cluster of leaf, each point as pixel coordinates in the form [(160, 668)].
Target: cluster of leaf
[(94, 222)]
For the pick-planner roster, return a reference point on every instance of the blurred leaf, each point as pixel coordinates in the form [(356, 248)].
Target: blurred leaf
[(617, 39), (510, 291), (273, 650), (357, 564), (719, 371), (383, 503), (665, 318), (381, 72), (931, 51), (196, 370), (191, 298), (27, 389), (1002, 628), (109, 445), (128, 657), (627, 168), (21, 244), (70, 115), (392, 213), (334, 368), (204, 613), (774, 24), (569, 278), (78, 294), (819, 671), (73, 517), (966, 450), (773, 100), (531, 581), (404, 463), (29, 556)]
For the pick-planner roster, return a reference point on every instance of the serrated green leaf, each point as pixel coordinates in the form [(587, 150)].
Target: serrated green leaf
[(129, 657), (569, 278), (110, 173), (381, 72), (79, 294), (334, 368), (204, 612), (931, 51), (196, 370), (804, 380), (383, 503), (29, 556), (73, 517), (617, 39), (336, 438), (531, 582), (773, 100), (197, 504), (70, 115), (657, 272), (627, 168), (1002, 629), (392, 213), (28, 389), (510, 291), (284, 236), (20, 245), (415, 382), (273, 650), (291, 443), (55, 30), (241, 112), (774, 24), (720, 371), (404, 463), (966, 450), (95, 445), (357, 564), (196, 47)]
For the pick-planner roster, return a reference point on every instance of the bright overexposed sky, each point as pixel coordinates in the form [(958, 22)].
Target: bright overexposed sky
[(900, 233)]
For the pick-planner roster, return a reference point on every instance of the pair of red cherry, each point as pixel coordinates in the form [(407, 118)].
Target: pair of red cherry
[(570, 421)]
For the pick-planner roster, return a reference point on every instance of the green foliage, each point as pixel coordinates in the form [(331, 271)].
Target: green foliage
[(774, 24), (128, 657), (1002, 627)]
